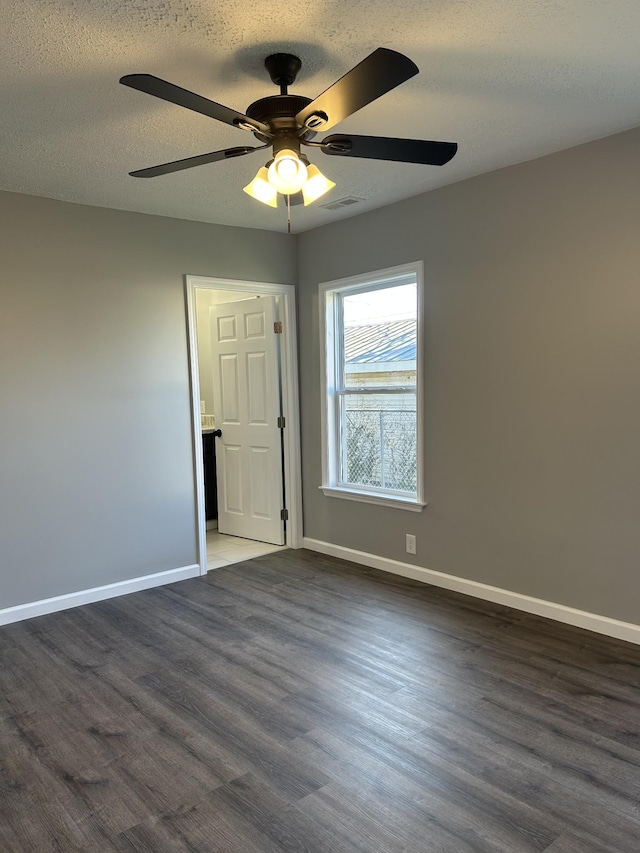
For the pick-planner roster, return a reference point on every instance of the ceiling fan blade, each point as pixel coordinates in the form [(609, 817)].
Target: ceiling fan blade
[(190, 162), (379, 73), (184, 98), (388, 148)]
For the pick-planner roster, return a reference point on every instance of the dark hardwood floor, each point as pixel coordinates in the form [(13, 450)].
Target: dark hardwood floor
[(298, 703)]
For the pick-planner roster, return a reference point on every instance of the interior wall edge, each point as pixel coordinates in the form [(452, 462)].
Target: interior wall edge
[(539, 607), (31, 609)]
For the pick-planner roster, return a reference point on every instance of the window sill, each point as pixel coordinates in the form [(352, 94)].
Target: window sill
[(411, 504)]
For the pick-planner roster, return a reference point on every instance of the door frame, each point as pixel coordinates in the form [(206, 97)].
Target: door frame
[(290, 400)]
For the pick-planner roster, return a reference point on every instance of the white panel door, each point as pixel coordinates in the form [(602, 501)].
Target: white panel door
[(247, 405)]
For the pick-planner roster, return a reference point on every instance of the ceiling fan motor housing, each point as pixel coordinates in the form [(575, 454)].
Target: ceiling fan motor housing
[(278, 112)]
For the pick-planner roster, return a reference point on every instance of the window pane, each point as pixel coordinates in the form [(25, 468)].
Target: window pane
[(380, 441), (380, 333)]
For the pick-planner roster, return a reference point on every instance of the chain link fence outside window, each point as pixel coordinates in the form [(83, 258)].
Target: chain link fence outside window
[(381, 448)]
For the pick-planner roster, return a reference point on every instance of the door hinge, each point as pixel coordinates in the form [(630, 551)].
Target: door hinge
[(277, 327), (282, 422), (284, 514)]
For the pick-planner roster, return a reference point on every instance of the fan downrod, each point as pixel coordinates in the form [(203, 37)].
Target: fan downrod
[(283, 69)]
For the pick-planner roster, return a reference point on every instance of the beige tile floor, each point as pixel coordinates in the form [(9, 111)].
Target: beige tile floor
[(223, 550)]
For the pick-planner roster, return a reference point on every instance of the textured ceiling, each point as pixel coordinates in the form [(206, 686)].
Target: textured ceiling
[(509, 80)]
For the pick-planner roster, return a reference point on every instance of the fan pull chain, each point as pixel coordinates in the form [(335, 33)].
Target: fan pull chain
[(288, 214)]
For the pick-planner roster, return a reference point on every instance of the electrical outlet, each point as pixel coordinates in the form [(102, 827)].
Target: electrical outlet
[(203, 407), (411, 543)]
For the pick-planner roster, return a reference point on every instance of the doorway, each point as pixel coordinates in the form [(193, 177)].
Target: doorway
[(221, 314)]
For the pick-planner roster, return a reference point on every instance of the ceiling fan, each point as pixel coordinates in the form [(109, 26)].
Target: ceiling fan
[(286, 122)]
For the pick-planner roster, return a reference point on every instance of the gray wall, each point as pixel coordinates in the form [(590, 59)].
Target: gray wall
[(96, 482), (532, 381), (532, 376)]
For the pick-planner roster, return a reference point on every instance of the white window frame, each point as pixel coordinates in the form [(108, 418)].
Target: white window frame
[(330, 367)]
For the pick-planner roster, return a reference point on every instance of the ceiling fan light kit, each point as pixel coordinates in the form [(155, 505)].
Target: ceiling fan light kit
[(286, 122), (287, 172), (261, 189), (313, 185), (316, 185)]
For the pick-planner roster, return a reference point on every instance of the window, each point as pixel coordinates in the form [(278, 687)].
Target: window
[(372, 394)]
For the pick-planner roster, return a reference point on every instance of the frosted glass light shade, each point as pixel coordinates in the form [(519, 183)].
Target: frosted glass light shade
[(316, 185), (261, 189), (287, 173)]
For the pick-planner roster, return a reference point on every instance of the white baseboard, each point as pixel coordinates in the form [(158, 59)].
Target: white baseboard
[(98, 593), (560, 612)]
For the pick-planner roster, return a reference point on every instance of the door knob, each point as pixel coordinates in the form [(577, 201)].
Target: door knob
[(217, 433)]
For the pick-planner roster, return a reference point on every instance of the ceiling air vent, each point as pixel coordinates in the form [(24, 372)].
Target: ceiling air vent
[(342, 202)]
